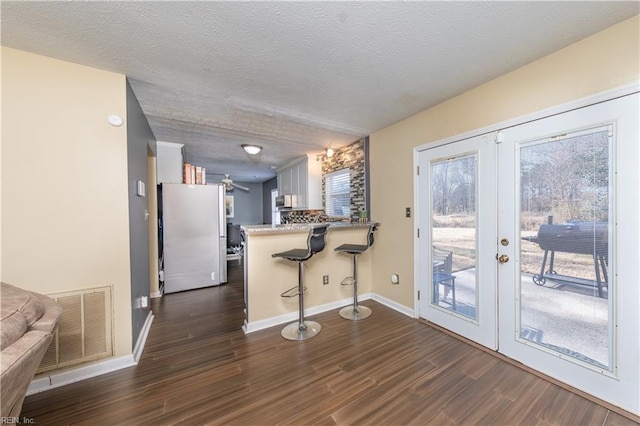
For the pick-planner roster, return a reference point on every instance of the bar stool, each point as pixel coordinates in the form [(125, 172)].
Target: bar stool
[(354, 311), (316, 241)]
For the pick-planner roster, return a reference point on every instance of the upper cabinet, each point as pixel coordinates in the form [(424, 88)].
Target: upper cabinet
[(169, 162), (284, 181), (302, 178)]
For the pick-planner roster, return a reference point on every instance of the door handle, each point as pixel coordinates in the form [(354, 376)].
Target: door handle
[(503, 258)]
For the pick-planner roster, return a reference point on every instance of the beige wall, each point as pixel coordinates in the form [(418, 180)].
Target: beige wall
[(1, 180), (64, 181), (269, 277), (604, 61)]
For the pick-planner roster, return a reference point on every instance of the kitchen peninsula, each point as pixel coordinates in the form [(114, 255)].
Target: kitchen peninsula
[(265, 278)]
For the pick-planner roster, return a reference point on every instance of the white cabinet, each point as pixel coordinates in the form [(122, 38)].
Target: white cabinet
[(302, 178), (169, 162), (303, 184), (285, 182)]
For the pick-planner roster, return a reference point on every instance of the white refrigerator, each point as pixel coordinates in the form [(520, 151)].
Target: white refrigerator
[(194, 236)]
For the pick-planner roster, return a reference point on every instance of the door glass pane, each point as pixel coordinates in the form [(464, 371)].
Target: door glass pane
[(453, 235), (564, 251)]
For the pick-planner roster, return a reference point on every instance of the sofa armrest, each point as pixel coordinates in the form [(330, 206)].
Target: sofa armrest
[(51, 315), (18, 363)]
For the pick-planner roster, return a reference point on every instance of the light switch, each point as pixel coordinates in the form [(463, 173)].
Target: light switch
[(141, 188)]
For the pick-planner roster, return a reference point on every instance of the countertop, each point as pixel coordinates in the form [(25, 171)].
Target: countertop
[(297, 227)]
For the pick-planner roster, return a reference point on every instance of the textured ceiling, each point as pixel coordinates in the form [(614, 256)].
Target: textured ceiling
[(296, 77)]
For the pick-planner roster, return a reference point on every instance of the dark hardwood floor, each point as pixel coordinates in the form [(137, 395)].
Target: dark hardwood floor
[(198, 367)]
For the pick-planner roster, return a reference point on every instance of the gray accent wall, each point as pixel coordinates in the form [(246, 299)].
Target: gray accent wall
[(139, 137), (247, 205), (267, 187)]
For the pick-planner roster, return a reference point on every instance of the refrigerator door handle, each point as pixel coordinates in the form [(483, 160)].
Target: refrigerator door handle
[(222, 211)]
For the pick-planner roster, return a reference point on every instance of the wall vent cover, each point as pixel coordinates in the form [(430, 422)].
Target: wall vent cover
[(84, 333)]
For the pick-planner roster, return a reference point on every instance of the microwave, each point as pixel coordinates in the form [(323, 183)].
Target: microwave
[(287, 201)]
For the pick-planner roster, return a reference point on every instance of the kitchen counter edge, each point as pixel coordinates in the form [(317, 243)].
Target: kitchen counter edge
[(298, 227)]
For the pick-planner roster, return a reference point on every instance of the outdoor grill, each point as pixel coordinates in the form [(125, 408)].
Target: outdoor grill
[(574, 237)]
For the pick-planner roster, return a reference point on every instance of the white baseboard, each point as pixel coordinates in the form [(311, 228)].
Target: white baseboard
[(56, 379), (142, 338), (394, 305), (46, 382), (292, 316), (155, 294)]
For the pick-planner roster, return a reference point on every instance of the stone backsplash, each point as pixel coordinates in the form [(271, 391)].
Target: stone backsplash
[(354, 157)]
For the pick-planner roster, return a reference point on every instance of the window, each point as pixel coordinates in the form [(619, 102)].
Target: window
[(337, 186)]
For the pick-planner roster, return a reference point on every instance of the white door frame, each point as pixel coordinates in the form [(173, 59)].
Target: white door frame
[(629, 304)]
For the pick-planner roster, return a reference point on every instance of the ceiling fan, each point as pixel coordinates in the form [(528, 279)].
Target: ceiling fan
[(229, 185)]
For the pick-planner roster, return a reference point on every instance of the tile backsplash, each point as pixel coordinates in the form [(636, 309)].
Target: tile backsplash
[(354, 158), (304, 216)]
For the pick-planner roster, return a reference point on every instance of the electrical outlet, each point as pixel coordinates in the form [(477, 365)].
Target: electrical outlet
[(325, 279), (213, 276)]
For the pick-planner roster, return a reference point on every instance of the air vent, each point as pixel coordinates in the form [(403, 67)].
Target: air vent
[(84, 332)]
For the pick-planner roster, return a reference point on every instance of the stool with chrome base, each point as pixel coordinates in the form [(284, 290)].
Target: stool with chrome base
[(316, 241), (354, 311)]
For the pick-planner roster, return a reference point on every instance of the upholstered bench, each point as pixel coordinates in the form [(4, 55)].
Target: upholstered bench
[(28, 321)]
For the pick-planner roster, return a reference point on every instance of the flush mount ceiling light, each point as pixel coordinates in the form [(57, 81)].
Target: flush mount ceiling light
[(251, 149), (330, 152)]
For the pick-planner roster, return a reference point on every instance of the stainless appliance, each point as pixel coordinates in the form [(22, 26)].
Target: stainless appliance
[(194, 236), (286, 201)]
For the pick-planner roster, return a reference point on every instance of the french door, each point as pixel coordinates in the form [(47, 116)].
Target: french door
[(458, 209), (530, 245)]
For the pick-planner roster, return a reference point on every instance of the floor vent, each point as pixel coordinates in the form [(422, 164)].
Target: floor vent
[(84, 332)]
